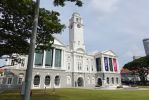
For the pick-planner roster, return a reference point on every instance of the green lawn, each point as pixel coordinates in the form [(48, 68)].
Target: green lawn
[(143, 86), (80, 94)]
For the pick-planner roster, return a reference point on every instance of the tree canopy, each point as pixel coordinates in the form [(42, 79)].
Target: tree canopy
[(16, 18), (140, 66), (62, 2)]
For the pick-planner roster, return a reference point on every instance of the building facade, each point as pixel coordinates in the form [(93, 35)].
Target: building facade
[(66, 66), (146, 45)]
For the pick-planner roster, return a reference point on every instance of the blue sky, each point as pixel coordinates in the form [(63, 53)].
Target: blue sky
[(118, 25)]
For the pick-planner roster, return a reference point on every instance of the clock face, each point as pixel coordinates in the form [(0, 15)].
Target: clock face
[(78, 25)]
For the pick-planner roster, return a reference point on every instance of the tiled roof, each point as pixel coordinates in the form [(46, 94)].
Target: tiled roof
[(125, 70)]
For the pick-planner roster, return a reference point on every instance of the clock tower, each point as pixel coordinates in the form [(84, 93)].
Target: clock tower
[(76, 38)]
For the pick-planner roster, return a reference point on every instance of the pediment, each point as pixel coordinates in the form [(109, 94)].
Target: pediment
[(80, 50), (109, 52), (58, 42)]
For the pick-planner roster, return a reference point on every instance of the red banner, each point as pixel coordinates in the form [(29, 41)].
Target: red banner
[(115, 65)]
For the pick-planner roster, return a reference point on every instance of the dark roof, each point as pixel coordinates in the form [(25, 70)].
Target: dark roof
[(125, 70)]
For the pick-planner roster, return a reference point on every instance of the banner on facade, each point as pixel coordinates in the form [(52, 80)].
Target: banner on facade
[(110, 64), (98, 64), (115, 65), (106, 63)]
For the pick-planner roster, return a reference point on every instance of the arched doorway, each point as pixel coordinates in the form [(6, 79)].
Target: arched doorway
[(99, 82), (80, 82)]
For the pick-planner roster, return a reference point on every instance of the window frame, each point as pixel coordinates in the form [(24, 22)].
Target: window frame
[(8, 80), (57, 79), (35, 59), (19, 80), (58, 64), (36, 85), (51, 51), (47, 80)]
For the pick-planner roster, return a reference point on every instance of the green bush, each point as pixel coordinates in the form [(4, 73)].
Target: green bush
[(120, 86)]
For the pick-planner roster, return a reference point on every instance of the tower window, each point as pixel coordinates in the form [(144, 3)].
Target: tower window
[(68, 66), (71, 26), (77, 19), (78, 42), (87, 67)]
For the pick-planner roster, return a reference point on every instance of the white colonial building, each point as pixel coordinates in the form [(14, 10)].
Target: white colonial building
[(66, 66)]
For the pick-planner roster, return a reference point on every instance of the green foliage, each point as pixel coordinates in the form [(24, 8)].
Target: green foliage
[(16, 26), (120, 86), (140, 66), (62, 2)]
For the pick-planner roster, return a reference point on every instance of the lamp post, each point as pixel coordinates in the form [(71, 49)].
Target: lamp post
[(28, 76)]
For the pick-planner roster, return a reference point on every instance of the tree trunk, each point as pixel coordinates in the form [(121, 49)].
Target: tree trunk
[(28, 76)]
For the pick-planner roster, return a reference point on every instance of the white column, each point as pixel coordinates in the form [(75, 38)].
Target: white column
[(62, 59), (103, 64), (53, 63), (44, 58), (74, 65), (33, 61)]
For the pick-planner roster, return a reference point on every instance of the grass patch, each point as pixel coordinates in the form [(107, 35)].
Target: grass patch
[(79, 94), (143, 86)]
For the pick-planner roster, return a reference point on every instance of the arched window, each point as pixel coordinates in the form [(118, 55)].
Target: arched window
[(107, 80), (36, 80), (117, 80), (47, 80), (57, 80), (112, 80)]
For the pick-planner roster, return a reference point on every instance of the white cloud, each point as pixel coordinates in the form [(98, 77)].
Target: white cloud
[(94, 52), (104, 6)]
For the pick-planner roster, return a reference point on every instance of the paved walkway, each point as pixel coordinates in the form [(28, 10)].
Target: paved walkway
[(114, 88), (128, 88)]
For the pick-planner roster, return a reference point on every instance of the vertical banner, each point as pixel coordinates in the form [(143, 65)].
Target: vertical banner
[(106, 63), (110, 64), (98, 64), (115, 65)]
